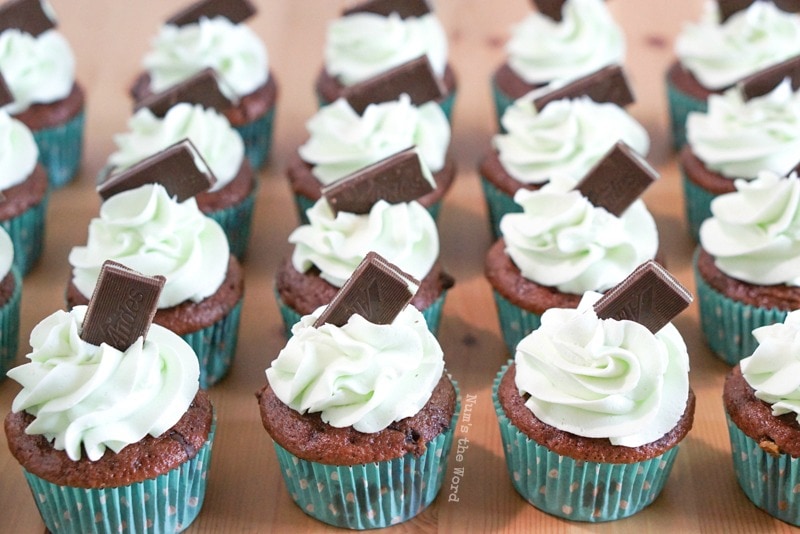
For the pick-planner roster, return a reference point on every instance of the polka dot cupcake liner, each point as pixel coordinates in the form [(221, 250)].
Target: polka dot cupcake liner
[(771, 483), (236, 221), (697, 203), (61, 149), (215, 346), (303, 203), (680, 105), (515, 323), (9, 326), (498, 204), (27, 233), (574, 489), (373, 495), (257, 137), (166, 503)]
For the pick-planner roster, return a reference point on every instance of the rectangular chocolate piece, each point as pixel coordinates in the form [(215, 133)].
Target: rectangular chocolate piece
[(618, 179), (30, 16), (122, 306), (201, 88), (234, 10), (6, 96), (404, 8), (550, 8), (398, 178), (416, 78), (650, 295), (608, 84), (179, 168), (729, 7), (765, 80), (377, 290)]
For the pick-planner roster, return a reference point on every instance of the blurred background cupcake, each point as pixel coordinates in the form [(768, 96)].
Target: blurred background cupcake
[(10, 295)]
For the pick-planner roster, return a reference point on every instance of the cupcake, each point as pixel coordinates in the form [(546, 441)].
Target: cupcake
[(368, 40), (185, 45), (591, 411), (716, 52), (746, 265), (342, 141), (231, 199), (761, 409), (582, 39), (373, 458), (147, 229), (10, 294), (111, 439)]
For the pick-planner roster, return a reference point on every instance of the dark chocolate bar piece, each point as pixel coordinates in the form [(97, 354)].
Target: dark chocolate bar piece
[(765, 80), (404, 8), (200, 88), (729, 7), (377, 290), (122, 306), (550, 8), (416, 78), (398, 178), (179, 168), (234, 10), (618, 179), (792, 6), (6, 96), (650, 295), (29, 16), (608, 84)]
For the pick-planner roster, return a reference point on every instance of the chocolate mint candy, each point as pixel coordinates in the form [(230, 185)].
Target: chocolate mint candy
[(179, 168), (608, 84), (6, 96), (416, 78), (404, 8), (792, 6), (650, 295), (765, 80), (550, 8), (29, 16), (377, 290), (729, 7), (122, 306), (201, 88), (618, 179), (398, 178), (234, 10)]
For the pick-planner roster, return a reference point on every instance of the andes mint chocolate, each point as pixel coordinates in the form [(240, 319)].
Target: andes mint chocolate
[(550, 8), (398, 178), (650, 295), (122, 306), (179, 168), (608, 84), (377, 290), (234, 10), (404, 8), (201, 88), (6, 96), (765, 80), (729, 7), (618, 179), (416, 78), (29, 16)]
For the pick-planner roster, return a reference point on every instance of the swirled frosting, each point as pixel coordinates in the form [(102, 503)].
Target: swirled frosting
[(37, 70), (739, 138), (6, 253), (363, 45), (773, 370), (18, 152), (560, 239), (566, 137), (404, 233), (603, 378), (98, 397), (361, 374), (150, 232), (754, 232), (234, 51), (342, 141), (719, 55), (584, 41), (219, 144)]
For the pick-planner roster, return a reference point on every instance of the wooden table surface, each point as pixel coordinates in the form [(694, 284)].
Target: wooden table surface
[(245, 492)]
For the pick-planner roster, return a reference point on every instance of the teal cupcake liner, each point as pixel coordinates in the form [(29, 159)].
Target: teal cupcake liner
[(697, 202), (27, 233), (728, 324), (498, 204), (166, 503), (680, 105), (501, 102), (575, 489), (373, 495), (257, 137), (771, 483), (303, 203), (515, 323), (215, 346), (237, 221), (9, 326), (61, 149)]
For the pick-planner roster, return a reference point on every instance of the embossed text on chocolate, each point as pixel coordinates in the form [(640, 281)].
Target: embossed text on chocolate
[(461, 446), (120, 324)]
